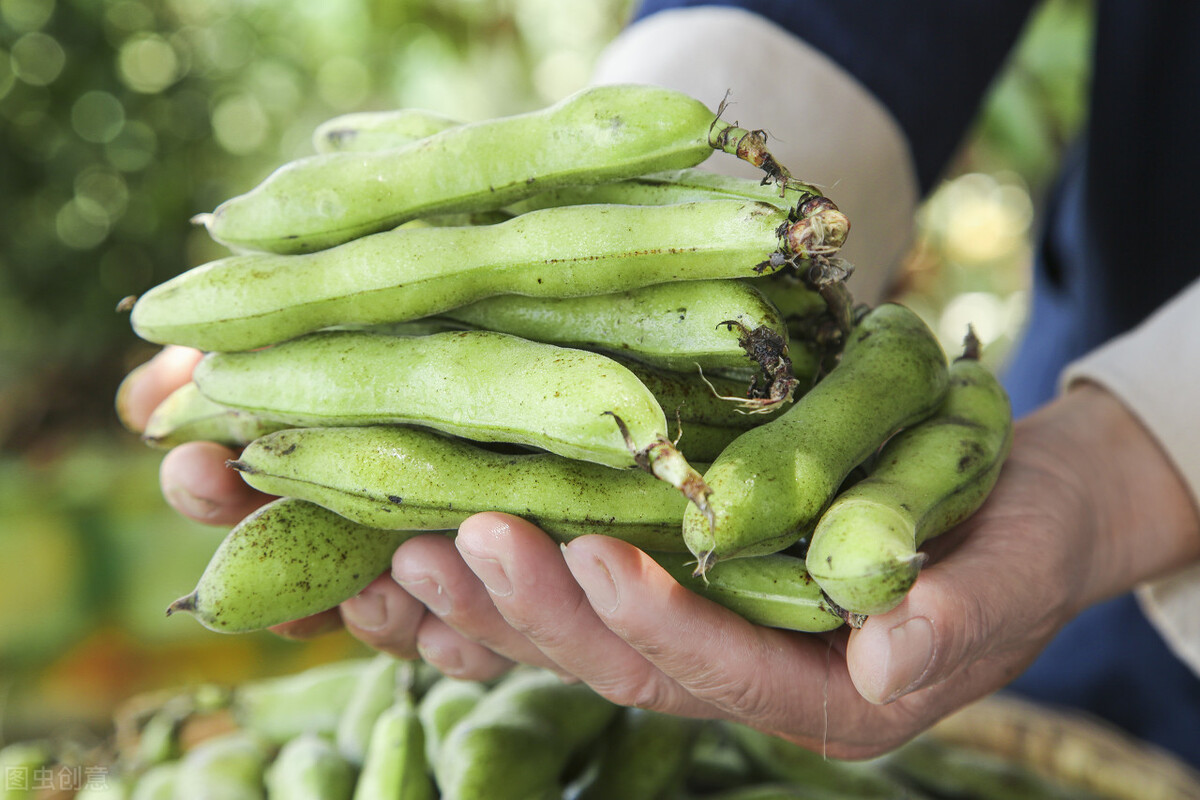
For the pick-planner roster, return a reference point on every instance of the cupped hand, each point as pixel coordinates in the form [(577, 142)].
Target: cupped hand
[(1066, 526), (1056, 535)]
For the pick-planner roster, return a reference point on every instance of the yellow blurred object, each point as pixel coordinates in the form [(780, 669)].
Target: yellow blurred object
[(1069, 747)]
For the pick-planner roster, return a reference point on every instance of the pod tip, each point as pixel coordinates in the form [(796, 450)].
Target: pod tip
[(185, 603), (202, 219)]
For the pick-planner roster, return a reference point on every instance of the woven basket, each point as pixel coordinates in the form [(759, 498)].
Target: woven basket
[(1071, 748)]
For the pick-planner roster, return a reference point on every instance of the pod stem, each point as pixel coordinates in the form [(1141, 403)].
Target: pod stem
[(816, 228), (751, 146), (767, 348), (664, 461)]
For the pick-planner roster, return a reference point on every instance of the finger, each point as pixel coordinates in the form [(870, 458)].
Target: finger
[(431, 569), (529, 582), (197, 484), (780, 681), (455, 655), (146, 386), (384, 617), (309, 627), (979, 614)]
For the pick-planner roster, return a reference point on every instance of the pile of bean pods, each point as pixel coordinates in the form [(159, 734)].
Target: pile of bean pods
[(557, 315), (376, 728)]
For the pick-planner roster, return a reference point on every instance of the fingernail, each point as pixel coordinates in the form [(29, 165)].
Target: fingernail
[(594, 578), (490, 571), (910, 652), (367, 610), (190, 504), (429, 592), (448, 660)]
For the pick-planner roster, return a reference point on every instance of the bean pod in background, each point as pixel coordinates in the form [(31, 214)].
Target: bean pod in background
[(309, 767), (516, 742)]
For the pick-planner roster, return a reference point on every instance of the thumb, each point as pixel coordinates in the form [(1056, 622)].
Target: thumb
[(964, 612)]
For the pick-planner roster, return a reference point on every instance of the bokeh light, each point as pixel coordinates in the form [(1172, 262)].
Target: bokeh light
[(148, 63), (26, 15), (37, 58), (239, 124), (97, 117)]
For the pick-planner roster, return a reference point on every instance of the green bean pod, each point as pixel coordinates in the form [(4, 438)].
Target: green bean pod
[(664, 188), (781, 760), (366, 131), (785, 791), (688, 396), (480, 385), (516, 742), (962, 772), (446, 702), (116, 785), (393, 477), (701, 442), (280, 708), (674, 326), (159, 782), (773, 590), (642, 756), (395, 766), (771, 484), (188, 416), (375, 692), (287, 560), (598, 134), (927, 479), (309, 767), (248, 301), (227, 767)]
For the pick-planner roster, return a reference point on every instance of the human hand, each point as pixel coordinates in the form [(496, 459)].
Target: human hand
[(1067, 525)]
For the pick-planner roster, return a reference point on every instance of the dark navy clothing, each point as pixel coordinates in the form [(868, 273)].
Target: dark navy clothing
[(1120, 236)]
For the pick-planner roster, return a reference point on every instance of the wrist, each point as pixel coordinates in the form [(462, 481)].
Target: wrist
[(1139, 519)]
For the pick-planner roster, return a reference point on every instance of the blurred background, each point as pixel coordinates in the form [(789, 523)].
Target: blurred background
[(120, 119)]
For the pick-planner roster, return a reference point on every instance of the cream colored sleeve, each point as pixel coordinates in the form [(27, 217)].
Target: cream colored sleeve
[(823, 125), (1155, 371)]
